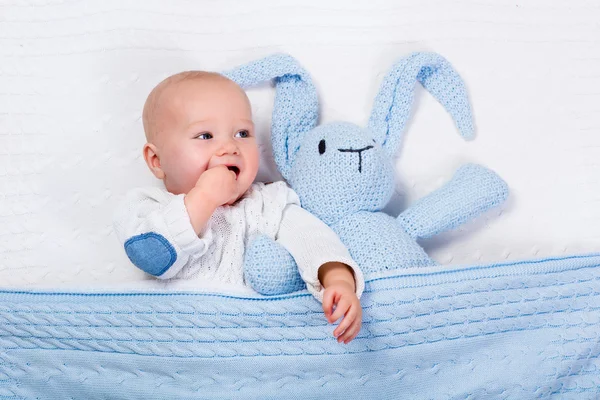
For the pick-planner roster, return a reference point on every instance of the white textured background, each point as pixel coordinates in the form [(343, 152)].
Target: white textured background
[(74, 76)]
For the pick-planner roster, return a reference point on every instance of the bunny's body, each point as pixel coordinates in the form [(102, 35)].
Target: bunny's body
[(344, 174), (377, 242), (355, 181)]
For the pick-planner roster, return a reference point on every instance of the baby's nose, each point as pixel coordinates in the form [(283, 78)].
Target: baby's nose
[(228, 147)]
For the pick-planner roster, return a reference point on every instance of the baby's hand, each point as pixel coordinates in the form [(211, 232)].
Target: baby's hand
[(218, 184), (347, 304)]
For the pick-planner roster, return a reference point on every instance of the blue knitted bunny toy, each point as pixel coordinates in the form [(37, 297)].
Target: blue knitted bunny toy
[(344, 174)]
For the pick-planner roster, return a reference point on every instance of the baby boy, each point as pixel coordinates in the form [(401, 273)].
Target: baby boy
[(201, 143)]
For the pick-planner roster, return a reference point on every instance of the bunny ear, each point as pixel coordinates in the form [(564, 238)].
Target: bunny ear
[(393, 102), (296, 106)]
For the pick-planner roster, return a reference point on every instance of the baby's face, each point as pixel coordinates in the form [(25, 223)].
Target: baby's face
[(202, 124)]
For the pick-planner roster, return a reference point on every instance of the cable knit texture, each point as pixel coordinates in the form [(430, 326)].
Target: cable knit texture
[(344, 174), (521, 330)]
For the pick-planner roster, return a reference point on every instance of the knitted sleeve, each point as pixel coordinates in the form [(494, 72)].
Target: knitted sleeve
[(154, 227), (312, 243)]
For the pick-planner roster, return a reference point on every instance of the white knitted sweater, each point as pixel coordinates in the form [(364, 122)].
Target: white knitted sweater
[(217, 253)]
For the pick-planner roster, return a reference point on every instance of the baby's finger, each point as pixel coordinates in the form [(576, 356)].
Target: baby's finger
[(229, 178), (226, 172), (346, 322), (340, 309), (351, 332), (222, 169), (328, 298)]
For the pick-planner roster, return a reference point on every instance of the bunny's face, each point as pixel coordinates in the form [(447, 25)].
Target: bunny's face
[(340, 169)]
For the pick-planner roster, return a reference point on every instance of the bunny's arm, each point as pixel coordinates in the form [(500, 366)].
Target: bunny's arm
[(473, 190)]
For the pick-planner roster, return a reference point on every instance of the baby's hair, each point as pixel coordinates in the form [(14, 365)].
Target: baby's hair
[(152, 102)]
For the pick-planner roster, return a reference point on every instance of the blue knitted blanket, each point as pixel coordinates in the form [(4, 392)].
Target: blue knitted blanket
[(517, 330)]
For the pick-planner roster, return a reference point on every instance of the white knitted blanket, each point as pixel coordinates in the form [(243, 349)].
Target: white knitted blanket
[(74, 75)]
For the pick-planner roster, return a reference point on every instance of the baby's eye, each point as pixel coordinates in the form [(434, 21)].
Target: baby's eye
[(204, 136), (243, 134), (322, 146)]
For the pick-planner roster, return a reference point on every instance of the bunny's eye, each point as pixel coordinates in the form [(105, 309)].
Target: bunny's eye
[(322, 146)]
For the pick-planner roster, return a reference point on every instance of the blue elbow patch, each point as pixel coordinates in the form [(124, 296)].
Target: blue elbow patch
[(151, 253)]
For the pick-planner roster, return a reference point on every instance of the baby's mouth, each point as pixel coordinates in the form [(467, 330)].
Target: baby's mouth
[(234, 169)]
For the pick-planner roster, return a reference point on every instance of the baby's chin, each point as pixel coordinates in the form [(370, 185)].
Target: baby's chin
[(244, 185), (245, 179)]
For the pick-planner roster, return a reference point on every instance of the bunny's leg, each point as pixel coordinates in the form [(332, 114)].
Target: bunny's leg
[(473, 190), (270, 269)]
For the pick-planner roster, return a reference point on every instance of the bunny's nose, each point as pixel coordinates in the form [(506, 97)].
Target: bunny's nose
[(359, 151)]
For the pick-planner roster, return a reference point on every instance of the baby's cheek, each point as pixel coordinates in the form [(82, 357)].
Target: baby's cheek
[(254, 159), (185, 174), (192, 174)]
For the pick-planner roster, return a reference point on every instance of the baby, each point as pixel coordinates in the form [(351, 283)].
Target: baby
[(201, 143)]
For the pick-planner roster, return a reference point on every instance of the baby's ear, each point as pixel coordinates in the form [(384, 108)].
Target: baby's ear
[(152, 159)]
